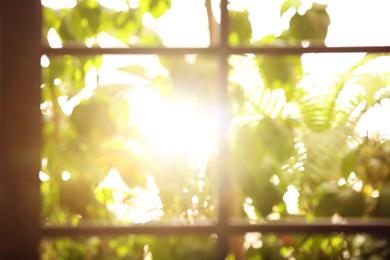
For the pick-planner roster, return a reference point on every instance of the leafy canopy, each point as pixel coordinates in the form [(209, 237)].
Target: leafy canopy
[(294, 140)]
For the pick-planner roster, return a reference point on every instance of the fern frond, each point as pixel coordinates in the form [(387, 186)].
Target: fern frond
[(264, 101), (317, 101)]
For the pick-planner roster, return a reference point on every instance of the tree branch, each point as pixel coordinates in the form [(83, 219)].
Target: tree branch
[(213, 29)]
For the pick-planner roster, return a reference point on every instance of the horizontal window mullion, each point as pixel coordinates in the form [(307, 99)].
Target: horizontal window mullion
[(133, 51), (313, 49), (320, 228), (214, 50), (52, 231)]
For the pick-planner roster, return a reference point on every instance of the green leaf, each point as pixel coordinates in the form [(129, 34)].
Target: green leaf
[(93, 119), (163, 248), (382, 208), (348, 163), (263, 101), (51, 18), (281, 72), (288, 4), (276, 138), (372, 83), (270, 39), (317, 102), (240, 26), (158, 7), (324, 152), (83, 21), (153, 4), (122, 18), (313, 25), (136, 70), (351, 203), (196, 249)]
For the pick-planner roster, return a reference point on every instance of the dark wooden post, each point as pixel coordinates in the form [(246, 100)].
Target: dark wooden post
[(20, 133)]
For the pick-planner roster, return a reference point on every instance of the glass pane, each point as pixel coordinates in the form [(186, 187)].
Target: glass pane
[(304, 23), (309, 136), (126, 23), (256, 246), (129, 247), (127, 139)]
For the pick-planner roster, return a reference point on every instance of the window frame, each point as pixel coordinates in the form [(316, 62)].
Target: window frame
[(20, 136)]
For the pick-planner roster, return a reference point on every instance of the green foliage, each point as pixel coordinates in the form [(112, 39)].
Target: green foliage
[(88, 19), (289, 4), (155, 7), (241, 29), (382, 209), (191, 78), (280, 72), (290, 132), (185, 248), (342, 200), (312, 25), (92, 120)]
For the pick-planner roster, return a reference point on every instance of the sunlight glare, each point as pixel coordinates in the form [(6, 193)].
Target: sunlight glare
[(275, 179), (45, 62), (146, 199), (57, 82), (105, 40), (117, 5), (342, 182), (44, 163), (91, 80), (179, 128), (358, 186), (151, 184), (250, 211), (46, 107), (90, 42), (54, 39), (62, 100), (59, 4), (236, 5), (375, 194), (195, 199), (347, 28), (43, 176), (143, 207), (114, 181), (134, 4), (90, 84), (185, 24), (291, 199), (66, 175), (201, 185)]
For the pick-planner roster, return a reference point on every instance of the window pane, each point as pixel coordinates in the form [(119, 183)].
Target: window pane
[(309, 135), (309, 246), (128, 139), (283, 23), (126, 23), (129, 247)]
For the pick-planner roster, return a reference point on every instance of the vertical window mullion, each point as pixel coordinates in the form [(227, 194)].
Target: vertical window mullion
[(20, 129), (224, 183)]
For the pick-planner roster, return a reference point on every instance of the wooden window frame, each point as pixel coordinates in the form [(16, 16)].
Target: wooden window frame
[(20, 137)]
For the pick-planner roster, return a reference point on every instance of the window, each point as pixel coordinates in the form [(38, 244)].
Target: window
[(282, 163)]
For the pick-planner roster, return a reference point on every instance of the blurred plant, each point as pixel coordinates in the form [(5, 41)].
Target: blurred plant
[(294, 141)]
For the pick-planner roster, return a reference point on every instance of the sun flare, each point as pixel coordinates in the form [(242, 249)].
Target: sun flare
[(175, 128)]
